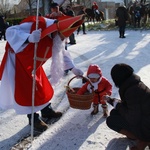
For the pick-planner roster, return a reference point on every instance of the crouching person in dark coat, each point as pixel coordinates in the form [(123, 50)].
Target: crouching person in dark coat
[(131, 114)]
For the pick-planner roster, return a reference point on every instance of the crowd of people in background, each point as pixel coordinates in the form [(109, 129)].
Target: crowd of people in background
[(135, 14), (136, 11), (132, 13), (68, 11)]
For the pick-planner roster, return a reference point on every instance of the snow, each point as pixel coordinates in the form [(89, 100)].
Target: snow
[(77, 129)]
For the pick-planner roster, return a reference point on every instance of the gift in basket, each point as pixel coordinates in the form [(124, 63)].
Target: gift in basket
[(77, 101)]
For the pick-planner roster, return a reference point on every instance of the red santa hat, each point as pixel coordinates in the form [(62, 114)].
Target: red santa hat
[(94, 71)]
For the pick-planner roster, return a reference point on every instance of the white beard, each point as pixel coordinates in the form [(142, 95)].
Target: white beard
[(57, 65)]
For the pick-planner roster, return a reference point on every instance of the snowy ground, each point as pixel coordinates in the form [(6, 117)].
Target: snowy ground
[(77, 129)]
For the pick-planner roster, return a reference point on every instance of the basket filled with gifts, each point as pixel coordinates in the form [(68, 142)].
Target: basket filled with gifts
[(77, 101)]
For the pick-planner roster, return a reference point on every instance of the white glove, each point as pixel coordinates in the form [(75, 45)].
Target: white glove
[(34, 37), (77, 72)]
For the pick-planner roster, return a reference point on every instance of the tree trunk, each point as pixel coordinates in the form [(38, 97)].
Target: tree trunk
[(30, 7)]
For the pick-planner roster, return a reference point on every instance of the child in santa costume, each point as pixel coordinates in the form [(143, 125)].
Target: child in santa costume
[(102, 88), (17, 65)]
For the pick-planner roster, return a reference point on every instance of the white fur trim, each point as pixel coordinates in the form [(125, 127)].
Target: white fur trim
[(68, 62), (93, 75)]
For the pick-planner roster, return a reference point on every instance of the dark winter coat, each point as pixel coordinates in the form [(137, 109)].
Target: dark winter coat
[(2, 24), (135, 106), (122, 15), (70, 13), (81, 12)]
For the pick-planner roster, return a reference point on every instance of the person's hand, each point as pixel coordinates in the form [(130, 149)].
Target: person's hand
[(111, 101), (35, 36), (108, 99), (77, 72), (105, 98)]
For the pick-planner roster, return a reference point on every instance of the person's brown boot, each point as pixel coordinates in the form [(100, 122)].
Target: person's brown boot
[(105, 110), (49, 113), (95, 110), (38, 124)]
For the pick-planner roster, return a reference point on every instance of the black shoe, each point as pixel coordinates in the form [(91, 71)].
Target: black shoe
[(84, 33), (66, 72), (38, 123), (49, 113), (123, 37), (72, 43)]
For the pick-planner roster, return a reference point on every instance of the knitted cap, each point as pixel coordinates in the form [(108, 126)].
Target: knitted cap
[(120, 73)]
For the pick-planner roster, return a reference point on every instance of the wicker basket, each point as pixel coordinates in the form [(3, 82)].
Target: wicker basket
[(76, 101)]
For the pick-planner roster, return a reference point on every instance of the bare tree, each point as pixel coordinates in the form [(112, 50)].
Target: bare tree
[(31, 4), (4, 7)]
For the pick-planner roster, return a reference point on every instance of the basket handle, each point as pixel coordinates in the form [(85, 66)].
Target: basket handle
[(92, 87)]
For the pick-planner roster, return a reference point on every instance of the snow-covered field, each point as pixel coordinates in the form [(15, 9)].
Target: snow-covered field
[(77, 129)]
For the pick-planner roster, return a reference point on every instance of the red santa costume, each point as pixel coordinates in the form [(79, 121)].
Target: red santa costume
[(101, 87), (17, 64)]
